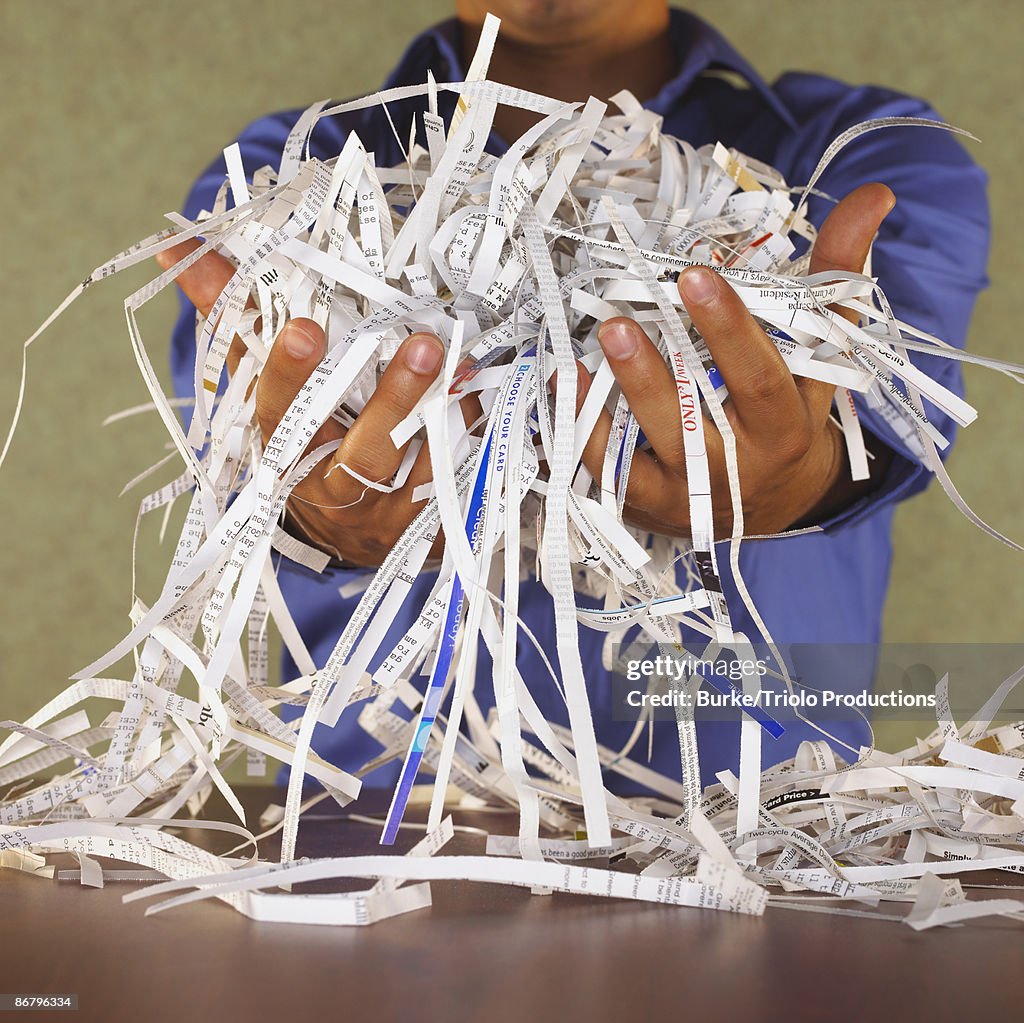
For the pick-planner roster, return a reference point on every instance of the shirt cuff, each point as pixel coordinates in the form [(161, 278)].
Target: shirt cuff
[(904, 477)]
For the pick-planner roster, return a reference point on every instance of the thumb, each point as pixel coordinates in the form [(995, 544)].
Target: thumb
[(295, 354), (845, 238), (843, 243)]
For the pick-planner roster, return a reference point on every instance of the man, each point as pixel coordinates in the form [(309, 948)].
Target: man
[(825, 587)]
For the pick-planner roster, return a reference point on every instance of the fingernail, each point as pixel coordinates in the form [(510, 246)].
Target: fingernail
[(423, 354), (298, 342), (165, 259), (618, 339), (699, 286)]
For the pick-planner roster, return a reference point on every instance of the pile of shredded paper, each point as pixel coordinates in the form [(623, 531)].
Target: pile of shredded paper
[(513, 261)]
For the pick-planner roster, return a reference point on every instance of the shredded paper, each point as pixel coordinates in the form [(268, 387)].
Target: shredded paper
[(514, 261)]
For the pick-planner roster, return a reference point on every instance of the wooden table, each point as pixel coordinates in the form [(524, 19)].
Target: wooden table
[(488, 954)]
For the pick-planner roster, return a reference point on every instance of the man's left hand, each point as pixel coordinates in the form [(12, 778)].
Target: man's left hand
[(791, 457)]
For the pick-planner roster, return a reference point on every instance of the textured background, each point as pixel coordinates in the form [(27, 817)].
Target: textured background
[(111, 108)]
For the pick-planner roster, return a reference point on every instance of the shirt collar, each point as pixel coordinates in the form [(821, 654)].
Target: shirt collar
[(699, 49)]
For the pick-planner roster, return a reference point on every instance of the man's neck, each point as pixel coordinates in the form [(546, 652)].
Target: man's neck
[(639, 58)]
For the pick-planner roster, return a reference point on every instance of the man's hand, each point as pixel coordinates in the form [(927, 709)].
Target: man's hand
[(334, 511), (792, 464)]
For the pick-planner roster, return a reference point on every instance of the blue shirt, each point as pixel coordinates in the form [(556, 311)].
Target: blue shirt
[(821, 588)]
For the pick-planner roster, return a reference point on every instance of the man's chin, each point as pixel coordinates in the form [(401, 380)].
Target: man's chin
[(528, 20)]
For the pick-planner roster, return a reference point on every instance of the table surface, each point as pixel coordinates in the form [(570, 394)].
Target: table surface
[(488, 952)]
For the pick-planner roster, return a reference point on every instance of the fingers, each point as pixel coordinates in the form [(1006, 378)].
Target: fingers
[(202, 284), (367, 448), (205, 279), (645, 488), (647, 383), (763, 392), (295, 354)]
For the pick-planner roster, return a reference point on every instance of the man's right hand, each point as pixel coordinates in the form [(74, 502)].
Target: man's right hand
[(333, 510)]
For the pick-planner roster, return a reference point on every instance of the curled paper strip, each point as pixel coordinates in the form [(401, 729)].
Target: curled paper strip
[(513, 261)]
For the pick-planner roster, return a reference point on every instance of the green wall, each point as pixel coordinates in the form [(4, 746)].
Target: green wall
[(111, 107)]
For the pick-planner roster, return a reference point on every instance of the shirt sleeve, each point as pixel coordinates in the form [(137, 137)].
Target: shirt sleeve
[(930, 255)]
